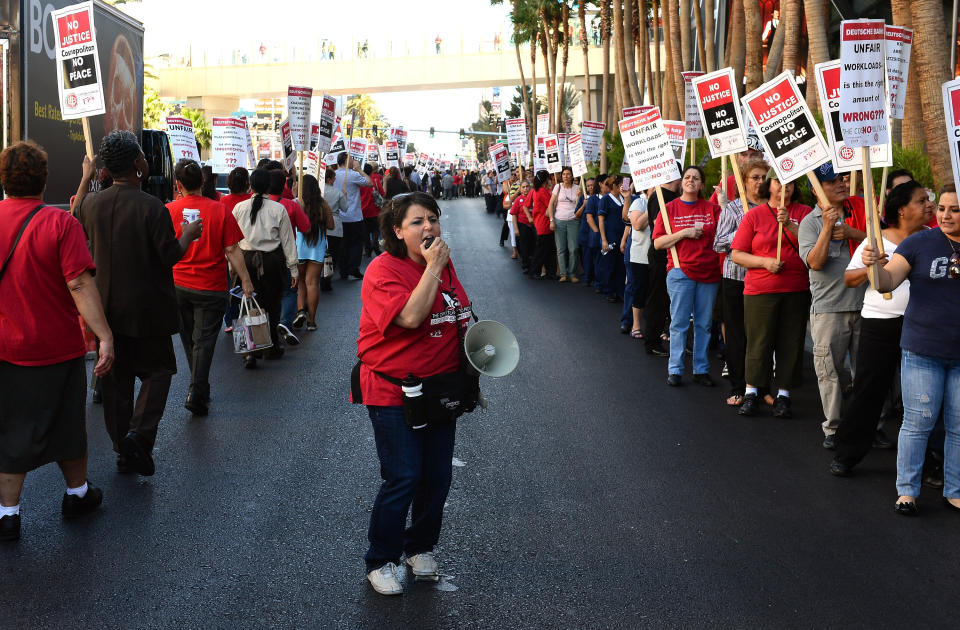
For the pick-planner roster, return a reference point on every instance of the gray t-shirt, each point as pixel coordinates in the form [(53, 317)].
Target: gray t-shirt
[(829, 293)]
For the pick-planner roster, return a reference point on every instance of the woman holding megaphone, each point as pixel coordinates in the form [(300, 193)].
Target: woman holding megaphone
[(415, 313)]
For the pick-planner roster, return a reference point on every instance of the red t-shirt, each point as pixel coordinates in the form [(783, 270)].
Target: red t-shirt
[(541, 199), (732, 191), (856, 208), (298, 218), (433, 348), (229, 201), (203, 267), (757, 235), (38, 317), (517, 208), (697, 259)]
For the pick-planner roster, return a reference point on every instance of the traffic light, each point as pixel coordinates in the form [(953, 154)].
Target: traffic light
[(374, 131), (276, 124), (431, 132), (463, 136)]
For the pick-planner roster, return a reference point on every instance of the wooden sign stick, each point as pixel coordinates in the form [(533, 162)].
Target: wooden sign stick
[(300, 178), (873, 222), (666, 226), (693, 151), (739, 178), (883, 191), (783, 194), (853, 182), (723, 176), (353, 120), (87, 136)]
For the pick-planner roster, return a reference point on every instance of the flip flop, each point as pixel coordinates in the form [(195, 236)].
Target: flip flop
[(636, 334)]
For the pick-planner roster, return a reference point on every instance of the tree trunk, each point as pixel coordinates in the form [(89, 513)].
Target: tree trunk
[(675, 55), (911, 128), (523, 80), (532, 129), (629, 52), (774, 55), (605, 97), (656, 85), (545, 50), (564, 58), (640, 43), (652, 89), (621, 65), (701, 48), (686, 47), (666, 88), (754, 48), (556, 29), (582, 13), (791, 19), (931, 51), (737, 44), (817, 47), (710, 35)]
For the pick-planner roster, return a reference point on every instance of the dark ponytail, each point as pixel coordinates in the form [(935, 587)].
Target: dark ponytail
[(260, 184)]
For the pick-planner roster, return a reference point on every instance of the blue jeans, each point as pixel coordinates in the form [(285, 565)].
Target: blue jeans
[(927, 382), (689, 296), (288, 303), (416, 468)]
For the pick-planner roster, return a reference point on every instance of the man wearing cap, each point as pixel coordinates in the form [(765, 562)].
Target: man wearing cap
[(828, 238)]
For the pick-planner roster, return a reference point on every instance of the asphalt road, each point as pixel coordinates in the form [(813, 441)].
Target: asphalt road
[(589, 495)]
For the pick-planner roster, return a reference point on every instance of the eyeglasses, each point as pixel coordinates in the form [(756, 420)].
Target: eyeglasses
[(402, 195), (757, 178), (953, 267)]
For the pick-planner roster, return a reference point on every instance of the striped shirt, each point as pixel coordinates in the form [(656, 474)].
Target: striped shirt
[(727, 224)]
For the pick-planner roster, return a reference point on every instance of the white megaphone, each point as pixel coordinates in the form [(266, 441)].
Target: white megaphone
[(491, 348)]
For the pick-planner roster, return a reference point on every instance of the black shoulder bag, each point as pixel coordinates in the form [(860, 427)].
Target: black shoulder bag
[(23, 227)]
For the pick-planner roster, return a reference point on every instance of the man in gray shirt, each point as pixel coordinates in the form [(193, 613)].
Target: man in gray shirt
[(827, 237)]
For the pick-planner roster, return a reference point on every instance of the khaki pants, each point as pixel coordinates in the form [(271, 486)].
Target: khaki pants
[(834, 336)]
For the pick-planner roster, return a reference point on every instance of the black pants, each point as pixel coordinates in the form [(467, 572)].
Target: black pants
[(489, 201), (150, 359), (658, 302), (371, 235), (351, 248), (526, 239), (267, 271), (735, 336), (200, 315), (776, 323), (544, 255), (878, 356)]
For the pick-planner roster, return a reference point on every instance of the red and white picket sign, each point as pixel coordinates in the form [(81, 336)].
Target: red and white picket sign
[(691, 112), (182, 138), (630, 112), (864, 107), (591, 134), (951, 107), (328, 121), (78, 65), (517, 135), (647, 150), (790, 137), (899, 43), (719, 109), (578, 161), (551, 152), (392, 153), (298, 113), (501, 159), (227, 144), (677, 133)]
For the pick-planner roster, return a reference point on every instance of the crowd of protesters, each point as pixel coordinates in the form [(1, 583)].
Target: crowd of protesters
[(755, 278)]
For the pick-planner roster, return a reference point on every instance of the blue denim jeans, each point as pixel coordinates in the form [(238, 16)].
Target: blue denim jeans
[(416, 468), (288, 303), (689, 297), (927, 383)]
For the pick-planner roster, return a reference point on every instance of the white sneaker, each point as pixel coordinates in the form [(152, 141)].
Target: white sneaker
[(424, 566), (287, 335), (384, 580)]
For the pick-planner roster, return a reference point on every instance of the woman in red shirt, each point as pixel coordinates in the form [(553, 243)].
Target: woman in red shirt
[(545, 250), (238, 181), (776, 296), (413, 314), (692, 286)]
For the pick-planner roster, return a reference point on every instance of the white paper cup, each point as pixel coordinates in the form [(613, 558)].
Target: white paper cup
[(190, 215)]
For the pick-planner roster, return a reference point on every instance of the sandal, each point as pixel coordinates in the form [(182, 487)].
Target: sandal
[(735, 400), (906, 508), (636, 333)]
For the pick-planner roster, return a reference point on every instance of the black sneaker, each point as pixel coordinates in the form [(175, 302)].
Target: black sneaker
[(137, 454), (288, 337), (781, 407), (300, 319), (673, 380), (196, 406), (830, 443), (311, 326), (703, 379), (749, 405), (880, 440), (10, 527), (73, 506), (839, 469)]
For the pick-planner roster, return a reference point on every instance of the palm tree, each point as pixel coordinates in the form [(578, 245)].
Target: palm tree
[(629, 54), (582, 14), (737, 46), (818, 50), (605, 97), (366, 109), (933, 70), (754, 51), (565, 56), (791, 17), (686, 49), (701, 46), (656, 85), (640, 44), (676, 56), (710, 35), (623, 91)]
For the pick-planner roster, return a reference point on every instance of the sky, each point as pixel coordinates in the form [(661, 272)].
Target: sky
[(179, 26)]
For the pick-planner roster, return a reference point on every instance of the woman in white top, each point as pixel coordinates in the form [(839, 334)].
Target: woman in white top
[(563, 210), (268, 245), (638, 243), (908, 210)]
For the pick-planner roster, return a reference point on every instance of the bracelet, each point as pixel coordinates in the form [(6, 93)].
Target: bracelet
[(435, 276)]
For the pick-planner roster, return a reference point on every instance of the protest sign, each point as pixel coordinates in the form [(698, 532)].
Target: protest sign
[(676, 131), (691, 113), (543, 124), (951, 108), (311, 163), (251, 152), (864, 107), (373, 153), (844, 158), (358, 151), (562, 143), (647, 150), (790, 136), (286, 143), (298, 113), (321, 173), (591, 134), (227, 150), (719, 110), (421, 166), (630, 112), (401, 138), (314, 136), (77, 61), (409, 159), (517, 135), (337, 144), (578, 161), (501, 158), (540, 157), (183, 142), (327, 124), (899, 42), (391, 153), (551, 152)]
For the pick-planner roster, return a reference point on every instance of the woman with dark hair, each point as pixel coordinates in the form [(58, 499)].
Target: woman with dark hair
[(394, 184), (311, 249), (589, 239), (413, 316), (776, 294), (563, 209), (238, 181), (930, 367), (269, 250), (209, 187), (47, 283), (200, 278), (545, 249), (907, 211), (693, 285), (610, 270)]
